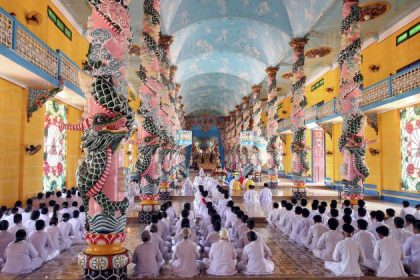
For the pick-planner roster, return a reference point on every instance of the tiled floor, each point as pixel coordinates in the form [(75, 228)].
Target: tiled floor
[(291, 261)]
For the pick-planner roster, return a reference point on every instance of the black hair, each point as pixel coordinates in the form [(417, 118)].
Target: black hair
[(347, 211), (399, 222), (348, 228), (53, 221), (347, 219), (82, 208), (361, 203), (185, 223), (164, 214), (298, 210), (317, 219), (405, 203), (361, 212), (303, 202), (410, 218), (314, 206), (20, 235), (44, 211), (379, 215), (17, 218), (4, 225), (74, 204), (265, 185), (252, 236), (305, 213), (347, 203), (35, 215), (283, 203), (333, 224), (28, 208), (40, 225), (153, 228), (382, 230), (289, 206), (321, 209), (275, 205), (65, 217), (29, 201), (226, 195), (185, 213), (362, 224), (76, 214), (334, 213), (416, 225), (390, 212), (245, 219), (240, 214), (324, 203), (293, 201), (217, 226), (154, 219), (40, 195), (18, 203), (372, 214), (51, 203), (250, 224)]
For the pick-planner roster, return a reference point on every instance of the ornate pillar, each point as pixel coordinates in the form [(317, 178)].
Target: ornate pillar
[(108, 121), (352, 143), (256, 128), (298, 146), (273, 141), (150, 128)]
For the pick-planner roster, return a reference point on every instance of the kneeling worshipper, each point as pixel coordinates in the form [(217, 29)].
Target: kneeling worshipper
[(147, 257), (21, 256), (255, 257), (185, 257), (348, 255), (389, 254), (222, 256), (5, 239), (326, 244), (367, 240), (42, 242), (412, 250), (187, 187)]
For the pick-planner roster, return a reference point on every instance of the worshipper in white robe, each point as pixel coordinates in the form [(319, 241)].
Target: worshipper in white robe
[(11, 216), (185, 223), (147, 257), (77, 228), (379, 221), (367, 240), (417, 213), (200, 179), (30, 224), (222, 203), (21, 256), (42, 242), (390, 216), (266, 196), (315, 232), (273, 216), (44, 215), (251, 195), (412, 251), (295, 224), (348, 255), (326, 244), (409, 222), (26, 215), (185, 257), (398, 232), (17, 224), (281, 214), (158, 241), (222, 256), (170, 211), (64, 208), (5, 239), (389, 254), (54, 234), (285, 219), (212, 237), (18, 205), (187, 187), (255, 259), (406, 209), (66, 231), (303, 227)]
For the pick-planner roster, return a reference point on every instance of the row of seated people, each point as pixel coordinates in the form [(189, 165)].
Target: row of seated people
[(349, 237), (216, 238), (33, 237)]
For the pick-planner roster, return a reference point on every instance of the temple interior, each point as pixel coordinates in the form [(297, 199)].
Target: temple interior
[(238, 139)]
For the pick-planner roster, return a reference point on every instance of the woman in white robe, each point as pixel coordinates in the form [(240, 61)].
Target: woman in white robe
[(348, 255), (185, 257), (326, 244), (30, 224), (54, 234), (66, 231), (5, 239), (412, 251), (147, 257), (222, 256), (42, 242), (21, 256), (255, 257), (187, 188), (266, 196), (77, 228)]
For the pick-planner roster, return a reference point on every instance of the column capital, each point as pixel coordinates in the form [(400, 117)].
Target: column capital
[(271, 71), (256, 89), (177, 88), (298, 43)]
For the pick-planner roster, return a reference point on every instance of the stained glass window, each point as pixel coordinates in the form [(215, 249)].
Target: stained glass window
[(54, 146), (410, 148)]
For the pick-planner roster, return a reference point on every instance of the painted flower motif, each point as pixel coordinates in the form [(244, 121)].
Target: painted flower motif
[(99, 263), (409, 128), (410, 169), (82, 260), (46, 167), (119, 261), (59, 168)]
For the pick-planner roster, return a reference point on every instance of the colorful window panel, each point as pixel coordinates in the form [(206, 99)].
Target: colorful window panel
[(54, 146), (410, 148)]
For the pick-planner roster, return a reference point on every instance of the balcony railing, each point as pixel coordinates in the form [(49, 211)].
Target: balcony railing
[(406, 82), (16, 37)]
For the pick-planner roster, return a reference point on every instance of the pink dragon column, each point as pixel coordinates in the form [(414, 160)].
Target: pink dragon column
[(352, 143), (298, 146), (272, 145), (257, 153), (108, 121)]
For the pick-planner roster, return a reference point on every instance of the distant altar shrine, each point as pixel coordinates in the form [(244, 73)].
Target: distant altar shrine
[(205, 153)]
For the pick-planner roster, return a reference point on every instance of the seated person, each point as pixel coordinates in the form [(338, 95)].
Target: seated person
[(412, 251), (222, 256), (315, 232), (255, 259), (21, 256), (77, 228), (158, 241), (185, 257), (367, 240), (42, 242), (66, 231), (30, 224), (54, 234), (147, 257), (185, 223), (17, 224), (398, 232), (5, 238), (348, 255), (389, 254), (326, 244)]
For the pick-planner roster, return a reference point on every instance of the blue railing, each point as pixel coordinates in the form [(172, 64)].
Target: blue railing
[(22, 46), (403, 84)]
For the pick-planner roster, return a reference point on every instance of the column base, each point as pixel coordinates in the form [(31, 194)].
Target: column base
[(165, 194), (107, 267), (299, 193), (145, 217)]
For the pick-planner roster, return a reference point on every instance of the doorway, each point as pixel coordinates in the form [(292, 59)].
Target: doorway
[(318, 156)]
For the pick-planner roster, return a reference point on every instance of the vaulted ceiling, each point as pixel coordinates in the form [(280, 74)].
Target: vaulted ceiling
[(222, 47)]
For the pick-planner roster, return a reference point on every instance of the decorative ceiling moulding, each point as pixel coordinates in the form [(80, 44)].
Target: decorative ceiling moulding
[(318, 52), (372, 10), (287, 75)]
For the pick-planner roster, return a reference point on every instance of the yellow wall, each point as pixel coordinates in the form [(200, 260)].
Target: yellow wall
[(21, 174), (331, 80), (47, 31), (286, 106), (373, 162)]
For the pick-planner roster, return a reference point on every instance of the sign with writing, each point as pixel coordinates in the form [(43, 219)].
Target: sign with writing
[(184, 137)]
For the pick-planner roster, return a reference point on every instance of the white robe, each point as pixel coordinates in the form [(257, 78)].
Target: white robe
[(13, 229), (66, 231), (412, 253), (5, 239), (43, 244), (273, 216), (374, 225), (314, 234), (254, 259), (78, 231), (367, 240), (326, 244), (30, 226), (251, 196), (184, 258), (54, 234), (348, 254), (222, 258), (390, 255), (400, 234), (304, 226), (406, 211), (187, 187), (266, 196), (295, 227), (21, 258)]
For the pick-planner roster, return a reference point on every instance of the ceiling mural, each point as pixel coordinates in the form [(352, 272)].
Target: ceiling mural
[(222, 47)]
